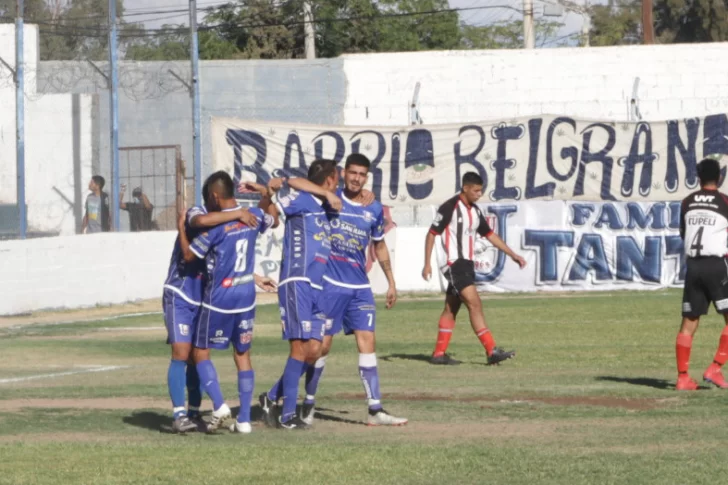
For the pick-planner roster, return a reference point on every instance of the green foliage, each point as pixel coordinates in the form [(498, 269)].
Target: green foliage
[(506, 35), (616, 25), (675, 21)]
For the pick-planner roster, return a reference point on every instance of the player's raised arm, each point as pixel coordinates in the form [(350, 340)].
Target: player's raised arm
[(306, 185), (212, 219), (266, 199)]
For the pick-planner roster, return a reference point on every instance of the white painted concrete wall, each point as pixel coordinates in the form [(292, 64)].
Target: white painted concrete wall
[(83, 271), (676, 81), (49, 141), (102, 269)]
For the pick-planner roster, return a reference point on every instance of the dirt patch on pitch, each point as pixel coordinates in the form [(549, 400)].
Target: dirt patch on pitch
[(97, 404), (636, 404)]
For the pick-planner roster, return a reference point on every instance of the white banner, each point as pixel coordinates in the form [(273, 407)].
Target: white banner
[(541, 158), (581, 246)]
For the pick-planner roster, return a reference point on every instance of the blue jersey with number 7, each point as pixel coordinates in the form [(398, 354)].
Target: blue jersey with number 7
[(229, 254)]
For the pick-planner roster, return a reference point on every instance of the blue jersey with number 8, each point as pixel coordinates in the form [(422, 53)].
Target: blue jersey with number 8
[(229, 254)]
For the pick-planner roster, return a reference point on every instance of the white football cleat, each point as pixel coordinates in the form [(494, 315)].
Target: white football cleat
[(383, 418), (243, 428), (218, 417), (307, 412)]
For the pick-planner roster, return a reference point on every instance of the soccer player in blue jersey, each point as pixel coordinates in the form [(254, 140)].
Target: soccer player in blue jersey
[(181, 303), (306, 248), (228, 304), (349, 301)]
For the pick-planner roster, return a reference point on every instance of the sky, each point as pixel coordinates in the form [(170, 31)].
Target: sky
[(476, 16)]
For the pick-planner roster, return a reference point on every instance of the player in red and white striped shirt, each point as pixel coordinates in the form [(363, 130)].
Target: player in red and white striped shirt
[(458, 221)]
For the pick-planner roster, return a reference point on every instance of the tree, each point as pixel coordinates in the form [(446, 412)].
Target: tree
[(267, 30), (678, 21), (172, 43), (507, 34), (691, 20), (70, 29), (345, 26), (402, 29), (616, 24)]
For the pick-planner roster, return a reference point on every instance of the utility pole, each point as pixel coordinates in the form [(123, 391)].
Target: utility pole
[(195, 95), (114, 115), (648, 29), (309, 31), (528, 35), (586, 25), (20, 117)]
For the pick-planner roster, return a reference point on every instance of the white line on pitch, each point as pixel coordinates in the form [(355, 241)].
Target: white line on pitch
[(60, 374)]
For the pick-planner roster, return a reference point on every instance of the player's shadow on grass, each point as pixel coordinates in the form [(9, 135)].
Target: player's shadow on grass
[(415, 357), (157, 420), (640, 381), (319, 414), (153, 420)]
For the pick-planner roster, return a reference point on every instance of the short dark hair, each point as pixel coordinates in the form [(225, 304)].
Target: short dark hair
[(358, 160), (472, 178), (709, 171), (99, 180), (320, 170), (221, 183)]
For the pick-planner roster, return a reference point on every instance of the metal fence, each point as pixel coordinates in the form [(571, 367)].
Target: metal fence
[(69, 136), (153, 190)]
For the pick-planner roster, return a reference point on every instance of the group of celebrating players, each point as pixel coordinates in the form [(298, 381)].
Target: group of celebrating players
[(209, 294)]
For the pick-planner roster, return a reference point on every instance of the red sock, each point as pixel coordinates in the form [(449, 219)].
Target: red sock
[(722, 354), (443, 336), (486, 338), (682, 352)]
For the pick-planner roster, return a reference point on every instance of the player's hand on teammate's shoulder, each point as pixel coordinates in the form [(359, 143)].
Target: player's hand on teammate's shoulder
[(248, 218), (334, 201), (519, 260), (264, 283), (367, 197), (275, 184), (252, 187)]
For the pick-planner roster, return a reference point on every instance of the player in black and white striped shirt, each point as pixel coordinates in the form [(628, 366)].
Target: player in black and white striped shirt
[(459, 220)]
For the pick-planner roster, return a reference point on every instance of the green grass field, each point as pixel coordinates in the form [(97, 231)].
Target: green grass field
[(588, 399)]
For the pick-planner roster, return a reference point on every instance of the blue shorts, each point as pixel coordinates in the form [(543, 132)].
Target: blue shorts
[(180, 318), (348, 308), (216, 330), (301, 318)]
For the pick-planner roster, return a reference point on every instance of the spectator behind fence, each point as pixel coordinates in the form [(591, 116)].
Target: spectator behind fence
[(140, 211), (97, 217)]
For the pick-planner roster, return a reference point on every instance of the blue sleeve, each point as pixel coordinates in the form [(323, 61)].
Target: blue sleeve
[(202, 244), (378, 225), (265, 220), (292, 204), (194, 212)]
